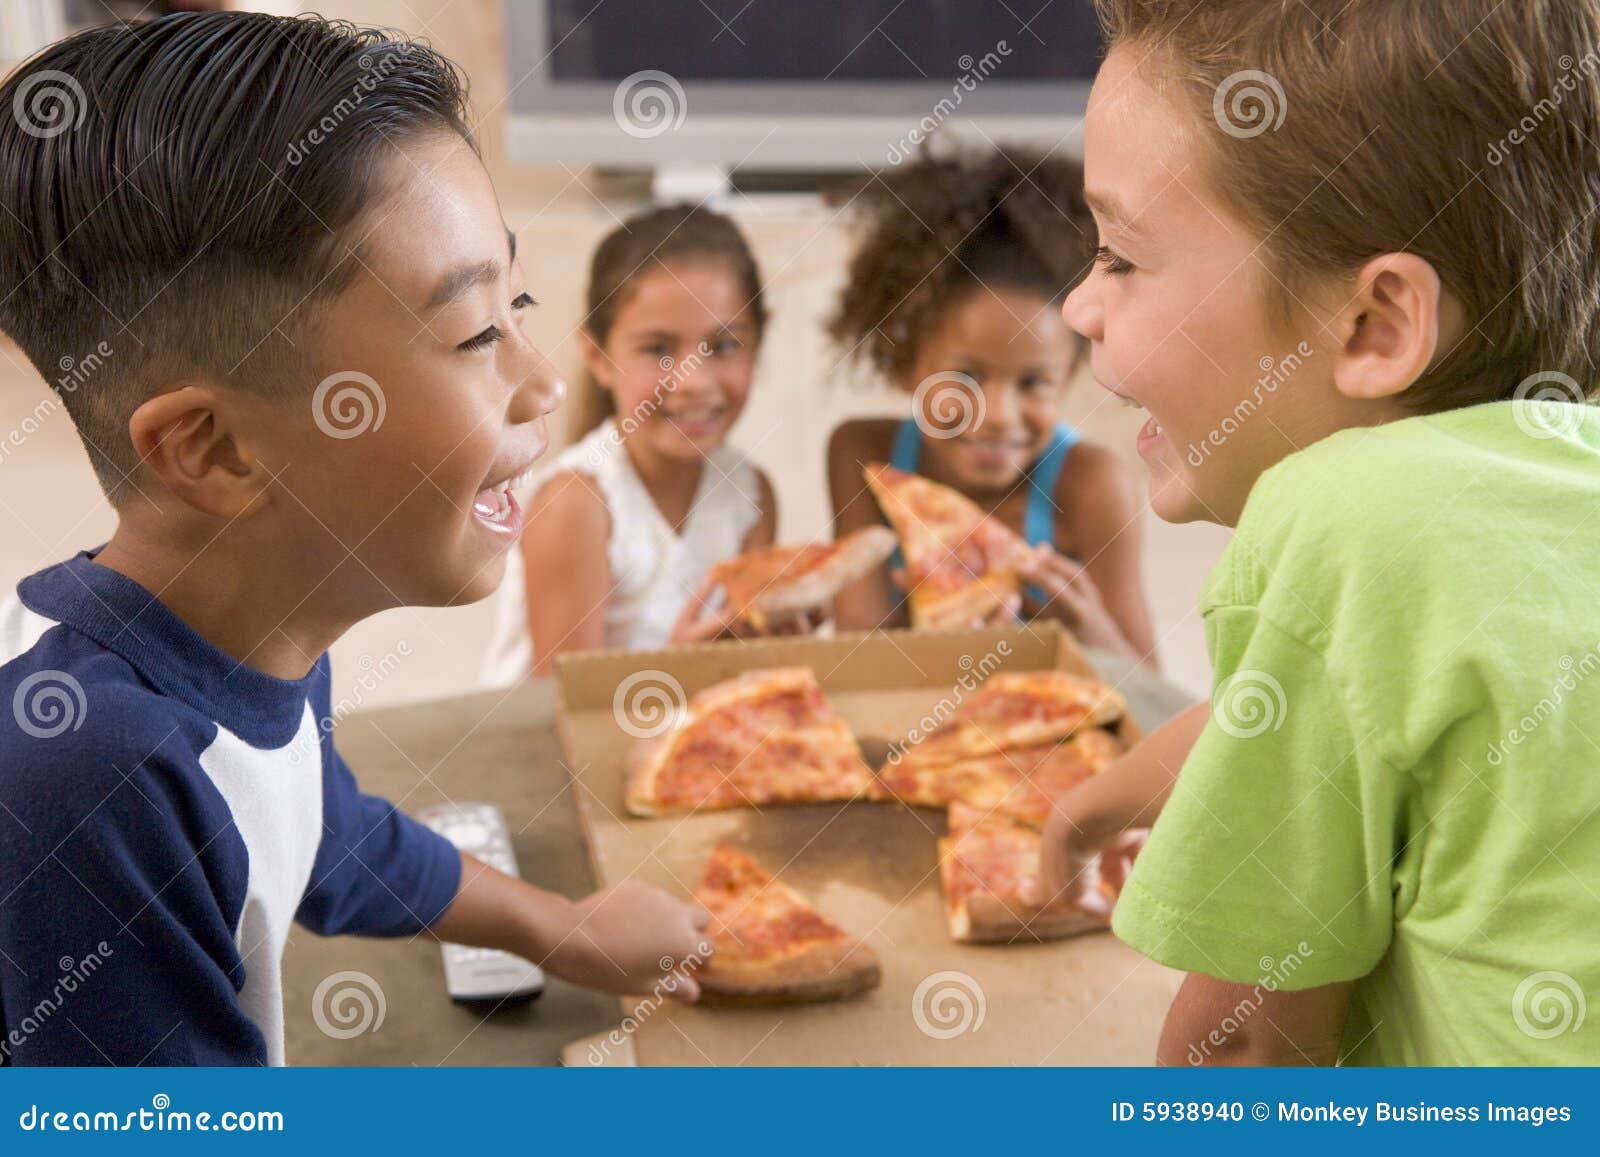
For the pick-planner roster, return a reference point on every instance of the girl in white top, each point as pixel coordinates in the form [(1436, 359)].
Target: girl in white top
[(627, 522)]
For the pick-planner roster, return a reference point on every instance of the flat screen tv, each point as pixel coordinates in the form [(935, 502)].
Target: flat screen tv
[(791, 84)]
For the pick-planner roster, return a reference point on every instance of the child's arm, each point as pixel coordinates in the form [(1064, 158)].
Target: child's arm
[(872, 601), (1128, 794), (568, 573), (1285, 1028), (1103, 600), (765, 532), (625, 940)]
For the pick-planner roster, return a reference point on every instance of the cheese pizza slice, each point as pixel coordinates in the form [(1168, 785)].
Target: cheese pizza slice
[(960, 562), (987, 864), (1016, 710), (782, 582), (769, 945), (1024, 782), (764, 737)]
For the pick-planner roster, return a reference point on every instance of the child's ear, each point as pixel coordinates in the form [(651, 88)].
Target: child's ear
[(595, 360), (1390, 332), (185, 439)]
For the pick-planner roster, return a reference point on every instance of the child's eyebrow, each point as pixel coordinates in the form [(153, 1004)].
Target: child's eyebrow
[(459, 281), (1111, 211)]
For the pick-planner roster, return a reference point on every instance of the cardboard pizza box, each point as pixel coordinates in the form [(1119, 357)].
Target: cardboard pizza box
[(871, 867)]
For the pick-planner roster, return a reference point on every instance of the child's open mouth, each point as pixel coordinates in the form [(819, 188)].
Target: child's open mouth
[(497, 509)]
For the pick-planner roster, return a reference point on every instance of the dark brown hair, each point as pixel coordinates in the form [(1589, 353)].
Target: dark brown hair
[(1463, 132), (649, 240), (937, 228), (179, 197)]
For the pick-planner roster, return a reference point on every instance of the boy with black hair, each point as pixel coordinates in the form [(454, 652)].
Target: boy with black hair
[(311, 403)]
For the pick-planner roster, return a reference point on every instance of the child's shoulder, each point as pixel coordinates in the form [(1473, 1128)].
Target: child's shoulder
[(862, 440), (92, 747), (1454, 503)]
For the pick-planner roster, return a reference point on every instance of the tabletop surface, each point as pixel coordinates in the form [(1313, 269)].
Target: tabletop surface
[(355, 1001)]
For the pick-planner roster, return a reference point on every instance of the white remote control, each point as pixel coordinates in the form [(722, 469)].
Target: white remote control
[(482, 975)]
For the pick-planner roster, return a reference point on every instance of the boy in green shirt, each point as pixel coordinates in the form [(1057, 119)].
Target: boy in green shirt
[(1348, 264)]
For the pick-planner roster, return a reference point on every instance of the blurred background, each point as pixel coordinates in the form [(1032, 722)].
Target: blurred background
[(588, 110)]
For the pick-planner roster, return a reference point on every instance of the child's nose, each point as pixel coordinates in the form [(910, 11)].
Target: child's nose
[(1002, 408), (542, 390), (1082, 310)]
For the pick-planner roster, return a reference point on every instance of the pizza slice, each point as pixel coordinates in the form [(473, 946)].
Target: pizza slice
[(769, 945), (986, 865), (782, 582), (764, 737), (960, 562), (1023, 782), (1016, 710)]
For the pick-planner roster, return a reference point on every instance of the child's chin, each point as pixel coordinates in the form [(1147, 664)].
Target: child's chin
[(1174, 500)]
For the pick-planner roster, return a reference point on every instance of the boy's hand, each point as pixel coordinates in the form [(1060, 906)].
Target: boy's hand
[(1072, 871), (1070, 592), (627, 939)]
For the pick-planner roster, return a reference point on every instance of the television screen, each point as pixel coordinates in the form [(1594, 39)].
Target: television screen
[(808, 40)]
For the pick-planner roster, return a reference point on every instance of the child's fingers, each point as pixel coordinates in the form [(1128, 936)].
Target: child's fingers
[(688, 989)]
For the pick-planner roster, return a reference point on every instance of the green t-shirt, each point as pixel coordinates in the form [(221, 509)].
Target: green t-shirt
[(1400, 781)]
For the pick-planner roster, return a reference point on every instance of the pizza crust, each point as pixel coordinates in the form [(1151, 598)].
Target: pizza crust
[(977, 602), (823, 970), (984, 918), (858, 555)]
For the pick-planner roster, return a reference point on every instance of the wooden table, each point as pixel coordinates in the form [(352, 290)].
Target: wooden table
[(501, 747)]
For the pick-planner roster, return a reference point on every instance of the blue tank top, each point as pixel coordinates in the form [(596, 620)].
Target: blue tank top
[(1038, 519)]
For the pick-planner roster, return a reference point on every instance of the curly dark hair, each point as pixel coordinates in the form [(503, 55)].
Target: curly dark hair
[(939, 227)]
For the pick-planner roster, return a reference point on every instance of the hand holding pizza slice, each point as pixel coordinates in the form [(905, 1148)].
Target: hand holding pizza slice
[(960, 563)]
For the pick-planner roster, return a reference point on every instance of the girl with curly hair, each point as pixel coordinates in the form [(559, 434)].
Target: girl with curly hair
[(955, 296)]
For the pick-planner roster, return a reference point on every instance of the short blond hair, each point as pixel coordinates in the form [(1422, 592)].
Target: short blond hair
[(1462, 131)]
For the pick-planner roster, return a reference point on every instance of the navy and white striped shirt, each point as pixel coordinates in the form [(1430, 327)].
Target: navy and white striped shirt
[(165, 813)]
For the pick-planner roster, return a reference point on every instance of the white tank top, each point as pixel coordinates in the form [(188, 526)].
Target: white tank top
[(654, 568)]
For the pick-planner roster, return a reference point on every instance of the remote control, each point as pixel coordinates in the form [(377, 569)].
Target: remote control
[(482, 975)]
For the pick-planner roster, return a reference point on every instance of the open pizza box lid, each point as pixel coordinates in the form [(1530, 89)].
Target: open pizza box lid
[(871, 867)]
